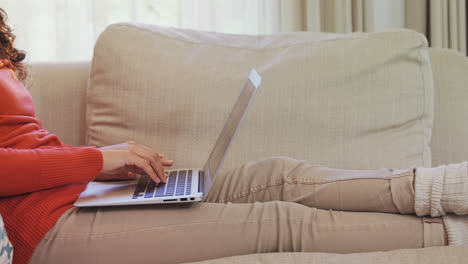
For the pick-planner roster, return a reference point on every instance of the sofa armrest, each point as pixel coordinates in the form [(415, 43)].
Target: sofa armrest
[(449, 142)]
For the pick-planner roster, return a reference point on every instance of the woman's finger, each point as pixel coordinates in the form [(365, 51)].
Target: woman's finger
[(154, 161), (125, 175), (131, 175), (167, 163), (146, 166)]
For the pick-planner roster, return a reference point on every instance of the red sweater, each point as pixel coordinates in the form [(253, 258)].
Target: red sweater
[(40, 177)]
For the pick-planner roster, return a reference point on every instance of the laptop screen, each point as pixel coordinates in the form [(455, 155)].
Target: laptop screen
[(230, 128)]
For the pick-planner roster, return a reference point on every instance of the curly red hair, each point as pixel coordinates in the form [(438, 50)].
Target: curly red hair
[(8, 51)]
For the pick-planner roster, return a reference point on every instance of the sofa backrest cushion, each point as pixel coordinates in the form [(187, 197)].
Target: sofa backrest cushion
[(59, 92), (362, 100), (450, 134)]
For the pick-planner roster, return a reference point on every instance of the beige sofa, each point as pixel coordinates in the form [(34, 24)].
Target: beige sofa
[(73, 105)]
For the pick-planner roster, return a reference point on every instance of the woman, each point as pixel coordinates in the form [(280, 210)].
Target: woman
[(267, 206)]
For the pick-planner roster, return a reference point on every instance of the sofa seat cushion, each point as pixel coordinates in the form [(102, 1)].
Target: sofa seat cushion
[(362, 100), (431, 255)]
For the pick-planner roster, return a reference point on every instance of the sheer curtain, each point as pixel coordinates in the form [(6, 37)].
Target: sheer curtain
[(443, 21), (60, 30)]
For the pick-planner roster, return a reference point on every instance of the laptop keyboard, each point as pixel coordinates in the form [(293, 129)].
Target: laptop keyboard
[(178, 183)]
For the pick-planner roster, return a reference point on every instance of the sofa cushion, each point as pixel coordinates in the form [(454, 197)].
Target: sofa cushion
[(59, 92), (450, 141), (6, 249), (431, 255), (351, 101)]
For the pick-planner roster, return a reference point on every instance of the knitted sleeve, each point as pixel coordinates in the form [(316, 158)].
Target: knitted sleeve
[(25, 170)]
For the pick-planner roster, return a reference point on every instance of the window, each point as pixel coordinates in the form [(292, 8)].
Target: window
[(66, 30)]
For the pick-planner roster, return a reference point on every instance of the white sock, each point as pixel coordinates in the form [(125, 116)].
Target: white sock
[(442, 190), (457, 229)]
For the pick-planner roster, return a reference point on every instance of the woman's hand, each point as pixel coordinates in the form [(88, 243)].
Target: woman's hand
[(125, 160)]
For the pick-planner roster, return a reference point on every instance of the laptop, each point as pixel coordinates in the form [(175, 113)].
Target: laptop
[(182, 185)]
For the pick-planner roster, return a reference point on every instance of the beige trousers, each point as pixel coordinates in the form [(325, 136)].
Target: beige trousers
[(275, 205)]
